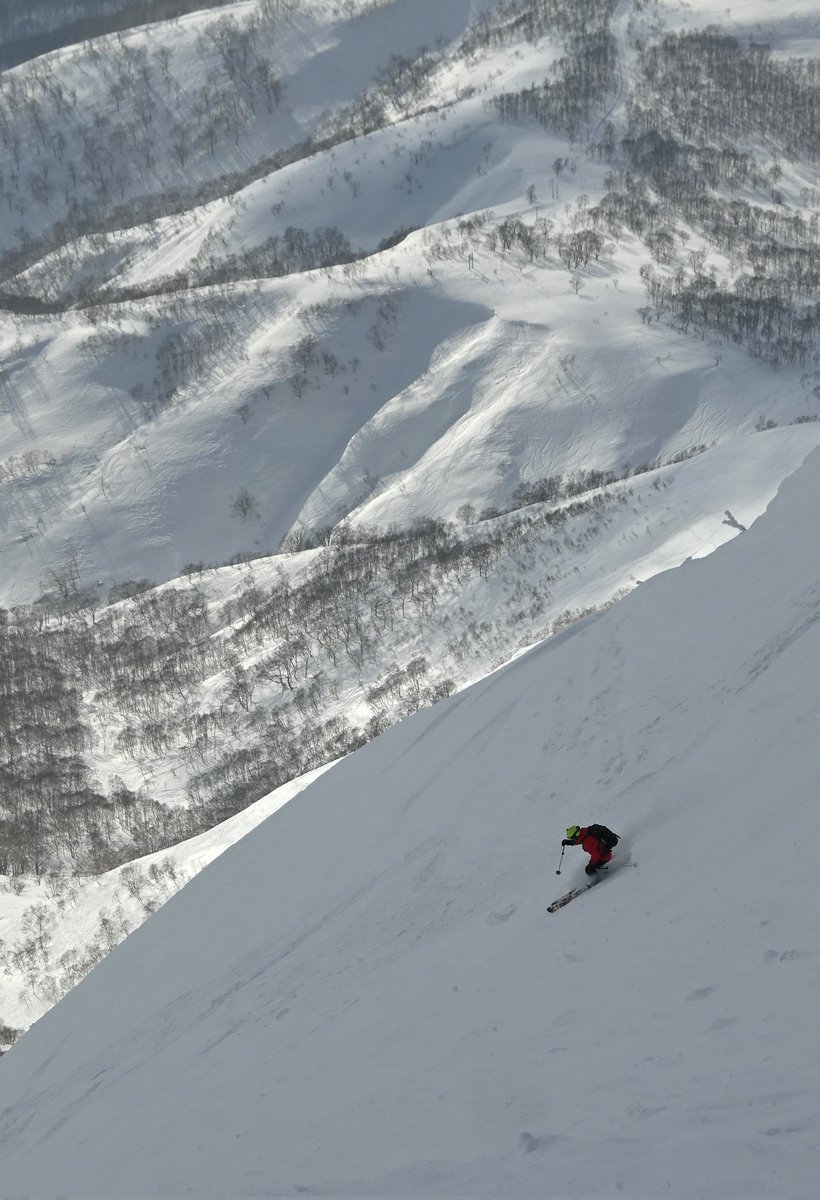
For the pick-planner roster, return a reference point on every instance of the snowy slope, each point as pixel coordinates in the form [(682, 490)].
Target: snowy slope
[(437, 373), (442, 372), (54, 933), (173, 105), (461, 404), (366, 997), (53, 930)]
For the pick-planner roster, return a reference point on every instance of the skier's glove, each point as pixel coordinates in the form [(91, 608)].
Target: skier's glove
[(566, 842)]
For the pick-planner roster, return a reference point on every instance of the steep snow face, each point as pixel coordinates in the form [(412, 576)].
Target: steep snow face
[(366, 995)]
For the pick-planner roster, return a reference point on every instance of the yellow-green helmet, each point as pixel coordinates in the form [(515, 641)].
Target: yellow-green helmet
[(573, 830)]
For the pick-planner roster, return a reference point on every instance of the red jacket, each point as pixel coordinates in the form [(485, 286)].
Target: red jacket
[(597, 851)]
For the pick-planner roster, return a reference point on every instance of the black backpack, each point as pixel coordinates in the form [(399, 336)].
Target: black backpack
[(605, 836)]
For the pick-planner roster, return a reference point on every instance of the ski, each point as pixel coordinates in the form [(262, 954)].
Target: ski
[(576, 891), (584, 887)]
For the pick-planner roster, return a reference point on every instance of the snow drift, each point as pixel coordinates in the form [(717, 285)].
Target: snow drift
[(366, 996)]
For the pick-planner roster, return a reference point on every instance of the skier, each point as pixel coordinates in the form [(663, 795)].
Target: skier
[(597, 840)]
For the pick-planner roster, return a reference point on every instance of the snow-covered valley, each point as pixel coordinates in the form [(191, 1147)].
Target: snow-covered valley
[(347, 353)]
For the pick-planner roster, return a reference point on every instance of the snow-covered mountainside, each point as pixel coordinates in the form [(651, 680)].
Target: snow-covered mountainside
[(348, 350), (366, 996), (233, 394)]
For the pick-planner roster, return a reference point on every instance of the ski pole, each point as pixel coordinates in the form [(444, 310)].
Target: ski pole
[(560, 860)]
